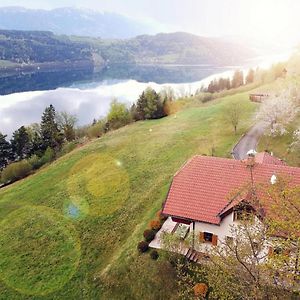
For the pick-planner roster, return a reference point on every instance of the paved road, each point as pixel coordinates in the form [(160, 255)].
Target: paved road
[(248, 141)]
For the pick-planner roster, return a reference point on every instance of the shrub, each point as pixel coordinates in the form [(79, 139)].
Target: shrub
[(48, 156), (149, 235), (96, 130), (200, 290), (154, 254), (171, 107), (143, 246), (16, 171), (35, 162), (68, 147), (155, 225)]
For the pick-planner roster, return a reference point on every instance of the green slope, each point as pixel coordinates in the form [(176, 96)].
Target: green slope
[(70, 231)]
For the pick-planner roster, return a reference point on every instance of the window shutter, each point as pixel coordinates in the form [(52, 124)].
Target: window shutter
[(214, 240), (287, 252), (201, 237)]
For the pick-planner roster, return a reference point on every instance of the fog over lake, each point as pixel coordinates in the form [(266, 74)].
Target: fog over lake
[(91, 99), (86, 100)]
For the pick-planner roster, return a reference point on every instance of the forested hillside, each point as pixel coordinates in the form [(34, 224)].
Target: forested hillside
[(40, 47), (171, 48), (28, 47)]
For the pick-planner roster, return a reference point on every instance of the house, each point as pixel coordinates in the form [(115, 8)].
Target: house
[(205, 193)]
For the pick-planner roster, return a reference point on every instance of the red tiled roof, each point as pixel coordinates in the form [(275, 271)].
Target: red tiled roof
[(266, 158), (201, 189)]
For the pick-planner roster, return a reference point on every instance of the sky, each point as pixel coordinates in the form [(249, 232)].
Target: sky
[(261, 19)]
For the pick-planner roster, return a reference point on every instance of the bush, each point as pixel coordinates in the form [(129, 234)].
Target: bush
[(16, 171), (155, 225), (95, 131), (154, 254), (149, 235), (143, 246), (48, 156), (35, 162), (206, 97), (68, 147), (200, 290)]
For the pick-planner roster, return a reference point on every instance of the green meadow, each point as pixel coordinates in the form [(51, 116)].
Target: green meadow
[(70, 231)]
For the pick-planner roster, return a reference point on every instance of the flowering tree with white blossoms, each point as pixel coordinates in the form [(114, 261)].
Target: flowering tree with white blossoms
[(278, 112), (296, 140)]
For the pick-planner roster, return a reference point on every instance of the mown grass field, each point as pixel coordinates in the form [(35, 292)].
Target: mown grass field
[(71, 230)]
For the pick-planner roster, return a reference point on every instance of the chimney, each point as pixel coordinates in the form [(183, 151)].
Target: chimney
[(250, 161)]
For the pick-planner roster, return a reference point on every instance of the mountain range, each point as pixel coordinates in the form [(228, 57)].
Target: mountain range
[(74, 21)]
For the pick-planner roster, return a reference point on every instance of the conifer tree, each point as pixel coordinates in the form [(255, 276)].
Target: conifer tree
[(50, 134), (21, 144), (5, 151), (149, 105)]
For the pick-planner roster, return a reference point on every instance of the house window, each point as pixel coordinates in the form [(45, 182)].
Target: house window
[(237, 215), (208, 237), (242, 214), (255, 246), (278, 250), (229, 240)]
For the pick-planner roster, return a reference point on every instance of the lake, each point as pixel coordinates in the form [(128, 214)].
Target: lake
[(24, 97)]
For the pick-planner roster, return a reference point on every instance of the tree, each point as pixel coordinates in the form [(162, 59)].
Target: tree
[(237, 79), (118, 115), (167, 94), (277, 112), (250, 76), (149, 105), (66, 123), (295, 145), (21, 144), (283, 220), (5, 151), (233, 114), (50, 134), (239, 266)]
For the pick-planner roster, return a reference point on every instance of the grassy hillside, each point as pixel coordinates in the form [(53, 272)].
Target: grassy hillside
[(70, 231)]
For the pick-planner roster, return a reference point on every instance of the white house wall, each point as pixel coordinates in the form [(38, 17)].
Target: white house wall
[(222, 230)]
